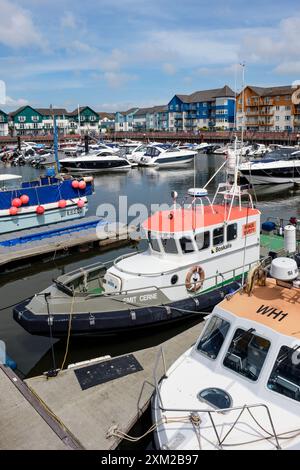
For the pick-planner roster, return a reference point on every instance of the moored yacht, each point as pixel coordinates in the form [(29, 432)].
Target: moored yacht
[(95, 162), (166, 155), (238, 387)]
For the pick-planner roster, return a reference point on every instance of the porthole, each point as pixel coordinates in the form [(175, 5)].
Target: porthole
[(174, 279)]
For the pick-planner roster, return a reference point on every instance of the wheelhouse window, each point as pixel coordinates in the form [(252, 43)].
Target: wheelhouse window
[(169, 245), (285, 376), (153, 242), (186, 245), (247, 353), (231, 232), (213, 337), (218, 236), (202, 240)]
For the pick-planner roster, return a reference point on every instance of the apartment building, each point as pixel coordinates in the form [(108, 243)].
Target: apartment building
[(151, 119), (268, 108), (202, 109), (124, 120)]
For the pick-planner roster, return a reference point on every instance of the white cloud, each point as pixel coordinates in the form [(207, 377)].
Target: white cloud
[(68, 20), (169, 69), (16, 26), (118, 79), (12, 102)]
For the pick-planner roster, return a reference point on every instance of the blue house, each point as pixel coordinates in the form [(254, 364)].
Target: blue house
[(202, 109), (124, 120)]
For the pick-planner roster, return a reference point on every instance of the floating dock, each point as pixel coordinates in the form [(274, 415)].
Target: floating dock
[(86, 402), (60, 237)]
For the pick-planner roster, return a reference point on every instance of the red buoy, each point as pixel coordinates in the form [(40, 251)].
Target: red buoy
[(82, 184), (13, 210), (24, 199), (40, 210), (62, 203), (75, 184), (16, 202), (80, 203)]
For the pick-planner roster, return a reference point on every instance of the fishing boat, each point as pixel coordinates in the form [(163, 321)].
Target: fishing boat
[(166, 155), (95, 162), (46, 200), (238, 387), (197, 253)]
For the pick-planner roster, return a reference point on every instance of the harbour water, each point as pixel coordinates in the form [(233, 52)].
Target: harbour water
[(140, 185)]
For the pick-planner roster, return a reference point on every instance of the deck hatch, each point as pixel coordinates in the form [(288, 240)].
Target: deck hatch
[(106, 371)]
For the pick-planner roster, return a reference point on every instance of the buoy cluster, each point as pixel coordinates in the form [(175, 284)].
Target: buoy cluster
[(17, 202), (79, 184)]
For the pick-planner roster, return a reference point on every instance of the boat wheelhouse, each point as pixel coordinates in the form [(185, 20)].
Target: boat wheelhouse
[(47, 200), (166, 155), (238, 387), (197, 254)]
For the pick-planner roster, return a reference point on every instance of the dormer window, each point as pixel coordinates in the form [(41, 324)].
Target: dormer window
[(34, 118), (92, 118), (21, 118)]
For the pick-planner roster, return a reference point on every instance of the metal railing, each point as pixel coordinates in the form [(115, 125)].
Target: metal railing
[(210, 412)]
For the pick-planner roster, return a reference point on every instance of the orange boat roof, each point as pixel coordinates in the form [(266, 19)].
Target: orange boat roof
[(183, 220), (273, 306)]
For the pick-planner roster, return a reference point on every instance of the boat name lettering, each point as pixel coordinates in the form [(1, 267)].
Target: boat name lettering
[(142, 298), (221, 248), (272, 312)]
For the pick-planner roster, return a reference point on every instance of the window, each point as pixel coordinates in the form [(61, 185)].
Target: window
[(202, 240), (287, 108), (218, 236), (82, 118), (277, 108), (186, 245), (287, 118), (277, 118), (231, 232), (21, 118), (169, 245), (153, 242), (92, 118), (277, 128), (213, 337), (34, 118), (247, 353), (285, 376)]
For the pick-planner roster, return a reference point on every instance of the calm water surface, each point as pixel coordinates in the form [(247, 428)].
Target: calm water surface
[(141, 185)]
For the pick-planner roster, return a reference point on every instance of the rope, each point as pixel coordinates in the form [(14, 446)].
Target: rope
[(69, 333)]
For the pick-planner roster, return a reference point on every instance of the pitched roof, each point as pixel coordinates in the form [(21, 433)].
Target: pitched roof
[(207, 95), (52, 111), (103, 115), (3, 112), (19, 110), (153, 109), (272, 91), (81, 108)]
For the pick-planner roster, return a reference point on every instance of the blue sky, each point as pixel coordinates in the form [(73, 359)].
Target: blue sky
[(114, 54)]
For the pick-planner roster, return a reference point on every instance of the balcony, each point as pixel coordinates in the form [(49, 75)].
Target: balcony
[(191, 116)]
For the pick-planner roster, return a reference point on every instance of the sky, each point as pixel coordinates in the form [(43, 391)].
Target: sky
[(115, 54)]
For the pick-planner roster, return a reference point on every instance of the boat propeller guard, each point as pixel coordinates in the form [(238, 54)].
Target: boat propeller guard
[(194, 279)]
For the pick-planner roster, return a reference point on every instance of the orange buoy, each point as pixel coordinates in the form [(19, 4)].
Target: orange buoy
[(16, 202), (82, 184), (13, 210), (62, 203), (75, 184), (80, 203), (40, 210), (24, 199)]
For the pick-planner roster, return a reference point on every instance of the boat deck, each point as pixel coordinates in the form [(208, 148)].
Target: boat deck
[(53, 238)]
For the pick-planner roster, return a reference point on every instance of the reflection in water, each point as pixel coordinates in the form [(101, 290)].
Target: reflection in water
[(140, 185)]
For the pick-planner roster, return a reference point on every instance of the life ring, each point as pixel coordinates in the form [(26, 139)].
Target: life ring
[(194, 279)]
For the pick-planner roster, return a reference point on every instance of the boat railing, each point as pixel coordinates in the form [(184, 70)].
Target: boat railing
[(223, 277), (194, 413)]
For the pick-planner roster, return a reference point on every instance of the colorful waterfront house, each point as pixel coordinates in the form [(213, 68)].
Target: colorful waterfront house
[(48, 119), (106, 122), (202, 109), (269, 108), (150, 119), (27, 121), (83, 120), (3, 123), (124, 120)]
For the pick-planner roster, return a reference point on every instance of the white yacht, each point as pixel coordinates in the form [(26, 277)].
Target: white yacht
[(95, 162), (166, 155), (238, 387)]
